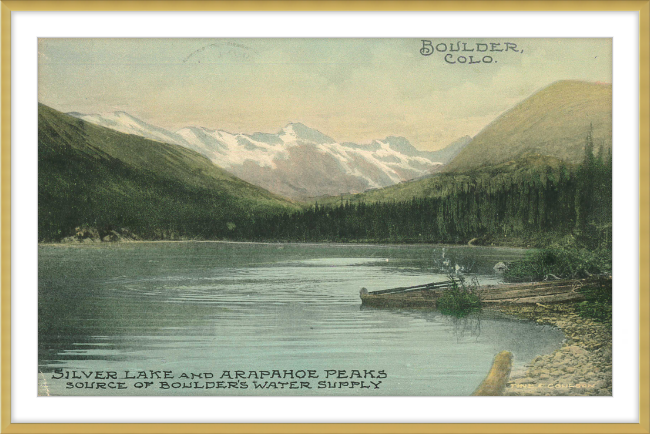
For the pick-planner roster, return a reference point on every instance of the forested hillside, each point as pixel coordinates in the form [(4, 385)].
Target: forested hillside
[(533, 201), (100, 183)]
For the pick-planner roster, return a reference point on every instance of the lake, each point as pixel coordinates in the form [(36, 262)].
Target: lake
[(202, 308)]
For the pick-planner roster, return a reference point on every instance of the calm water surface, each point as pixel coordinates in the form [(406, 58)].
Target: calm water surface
[(210, 307)]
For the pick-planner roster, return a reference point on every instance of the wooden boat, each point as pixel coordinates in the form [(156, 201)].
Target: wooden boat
[(425, 296)]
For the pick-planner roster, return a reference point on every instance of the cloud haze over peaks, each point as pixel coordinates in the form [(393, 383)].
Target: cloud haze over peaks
[(355, 89)]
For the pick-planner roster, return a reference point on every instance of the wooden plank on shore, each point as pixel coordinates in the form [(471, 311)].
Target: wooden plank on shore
[(550, 298), (495, 295), (514, 293), (549, 284)]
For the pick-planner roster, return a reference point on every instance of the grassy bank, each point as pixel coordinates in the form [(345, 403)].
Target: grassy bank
[(571, 263), (559, 263)]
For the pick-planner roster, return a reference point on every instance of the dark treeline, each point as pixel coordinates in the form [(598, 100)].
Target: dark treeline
[(536, 203)]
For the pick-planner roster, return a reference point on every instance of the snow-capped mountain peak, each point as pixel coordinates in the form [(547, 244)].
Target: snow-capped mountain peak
[(296, 162), (125, 123), (298, 132), (401, 145)]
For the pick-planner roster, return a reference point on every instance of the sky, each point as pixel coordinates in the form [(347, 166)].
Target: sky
[(353, 90)]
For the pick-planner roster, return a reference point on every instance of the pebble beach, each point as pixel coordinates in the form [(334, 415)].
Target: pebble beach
[(581, 367)]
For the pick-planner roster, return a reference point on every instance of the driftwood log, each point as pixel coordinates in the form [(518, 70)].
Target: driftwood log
[(495, 382)]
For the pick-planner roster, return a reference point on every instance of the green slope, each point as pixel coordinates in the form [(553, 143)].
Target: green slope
[(553, 122), (442, 184), (94, 177)]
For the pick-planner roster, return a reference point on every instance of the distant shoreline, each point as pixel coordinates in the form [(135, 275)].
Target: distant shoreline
[(270, 243)]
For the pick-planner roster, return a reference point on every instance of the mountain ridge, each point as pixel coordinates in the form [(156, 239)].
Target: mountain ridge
[(553, 121), (94, 177), (277, 161)]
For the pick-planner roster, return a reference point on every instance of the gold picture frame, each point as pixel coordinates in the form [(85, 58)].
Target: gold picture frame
[(642, 7)]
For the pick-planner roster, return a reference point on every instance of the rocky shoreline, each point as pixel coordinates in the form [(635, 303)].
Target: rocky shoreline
[(581, 367)]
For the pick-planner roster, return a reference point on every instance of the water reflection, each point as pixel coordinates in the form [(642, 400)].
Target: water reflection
[(210, 306), (467, 326)]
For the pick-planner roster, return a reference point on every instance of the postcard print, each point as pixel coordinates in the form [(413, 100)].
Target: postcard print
[(325, 217)]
